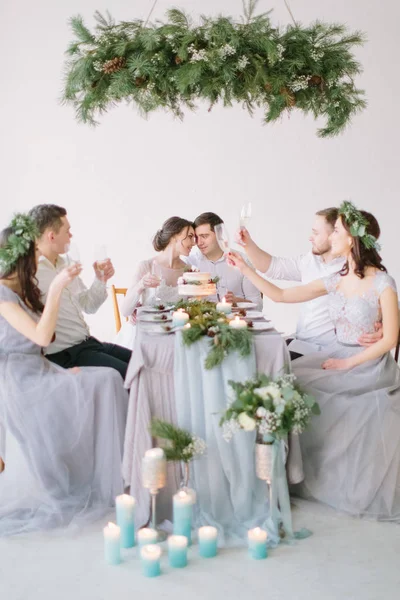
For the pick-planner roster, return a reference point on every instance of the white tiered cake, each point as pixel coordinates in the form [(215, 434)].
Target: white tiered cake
[(194, 283)]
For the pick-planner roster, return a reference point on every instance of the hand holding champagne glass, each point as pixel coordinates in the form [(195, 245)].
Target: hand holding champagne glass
[(245, 216), (102, 266)]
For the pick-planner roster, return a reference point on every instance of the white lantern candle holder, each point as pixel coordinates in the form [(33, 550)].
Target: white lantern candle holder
[(154, 473)]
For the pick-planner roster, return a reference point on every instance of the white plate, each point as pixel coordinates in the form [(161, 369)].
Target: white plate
[(246, 305), (253, 314), (158, 331), (261, 326), (153, 309), (149, 318)]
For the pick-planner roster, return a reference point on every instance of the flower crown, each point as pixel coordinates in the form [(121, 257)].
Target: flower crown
[(24, 232), (358, 225)]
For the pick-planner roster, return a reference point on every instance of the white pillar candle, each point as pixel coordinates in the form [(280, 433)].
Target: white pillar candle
[(179, 317), (112, 544), (224, 306), (257, 540), (125, 508), (147, 536), (154, 469), (238, 323), (150, 556)]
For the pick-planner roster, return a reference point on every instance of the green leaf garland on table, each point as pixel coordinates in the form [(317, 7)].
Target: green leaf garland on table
[(171, 65), (205, 320)]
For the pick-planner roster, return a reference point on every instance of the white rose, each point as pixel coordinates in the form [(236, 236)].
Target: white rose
[(262, 393), (278, 401), (261, 412), (246, 422)]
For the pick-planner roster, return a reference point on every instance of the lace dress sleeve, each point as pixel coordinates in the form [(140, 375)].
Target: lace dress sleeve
[(383, 281)]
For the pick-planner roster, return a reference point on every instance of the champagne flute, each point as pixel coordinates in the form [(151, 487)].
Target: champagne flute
[(72, 254), (222, 288), (156, 271), (245, 215), (101, 257), (222, 236)]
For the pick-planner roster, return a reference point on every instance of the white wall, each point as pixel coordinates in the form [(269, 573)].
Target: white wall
[(122, 179)]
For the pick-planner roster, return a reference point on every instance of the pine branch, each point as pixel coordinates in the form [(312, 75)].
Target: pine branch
[(172, 65)]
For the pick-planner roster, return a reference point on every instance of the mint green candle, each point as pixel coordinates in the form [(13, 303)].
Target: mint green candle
[(150, 556), (125, 508), (257, 540)]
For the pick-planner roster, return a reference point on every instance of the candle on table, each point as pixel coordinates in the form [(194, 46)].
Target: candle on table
[(147, 536), (150, 556), (179, 317), (125, 508), (177, 551), (257, 539), (154, 469), (183, 514), (208, 541), (112, 544), (238, 323), (224, 306)]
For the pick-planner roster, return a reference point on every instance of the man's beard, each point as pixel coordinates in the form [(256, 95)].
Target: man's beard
[(320, 251)]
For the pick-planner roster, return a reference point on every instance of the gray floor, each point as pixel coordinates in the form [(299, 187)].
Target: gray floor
[(345, 559)]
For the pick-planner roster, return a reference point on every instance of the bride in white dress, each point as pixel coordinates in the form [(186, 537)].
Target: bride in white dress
[(155, 280), (351, 452)]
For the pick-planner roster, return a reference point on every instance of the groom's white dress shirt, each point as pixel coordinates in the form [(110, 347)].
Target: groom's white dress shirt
[(315, 329), (76, 298), (230, 278)]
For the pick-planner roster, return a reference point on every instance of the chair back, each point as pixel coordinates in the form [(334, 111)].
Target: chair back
[(117, 315)]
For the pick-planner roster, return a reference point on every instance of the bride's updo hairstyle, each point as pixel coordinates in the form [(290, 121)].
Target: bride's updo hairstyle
[(363, 255), (171, 228)]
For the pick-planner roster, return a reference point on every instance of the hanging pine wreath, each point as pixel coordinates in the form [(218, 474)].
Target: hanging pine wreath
[(171, 65)]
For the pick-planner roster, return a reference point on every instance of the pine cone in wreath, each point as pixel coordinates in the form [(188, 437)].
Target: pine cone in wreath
[(178, 60), (139, 81), (114, 65), (316, 81), (289, 96)]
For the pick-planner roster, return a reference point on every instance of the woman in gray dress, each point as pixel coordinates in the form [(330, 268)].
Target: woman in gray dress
[(64, 428), (351, 452)]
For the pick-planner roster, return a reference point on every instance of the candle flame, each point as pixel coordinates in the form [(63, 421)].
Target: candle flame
[(182, 494), (187, 326), (223, 300), (237, 319), (112, 525)]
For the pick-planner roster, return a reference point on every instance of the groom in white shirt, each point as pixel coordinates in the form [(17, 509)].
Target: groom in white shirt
[(73, 345), (315, 329), (209, 258)]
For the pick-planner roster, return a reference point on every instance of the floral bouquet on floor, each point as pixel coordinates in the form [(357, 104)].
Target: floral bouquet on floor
[(273, 408)]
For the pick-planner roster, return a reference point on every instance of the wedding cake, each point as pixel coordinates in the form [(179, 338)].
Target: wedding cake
[(194, 283)]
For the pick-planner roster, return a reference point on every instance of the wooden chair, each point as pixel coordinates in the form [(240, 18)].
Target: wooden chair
[(117, 315)]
